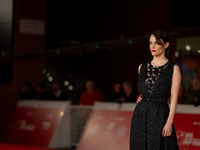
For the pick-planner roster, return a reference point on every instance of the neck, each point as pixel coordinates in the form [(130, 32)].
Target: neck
[(159, 59)]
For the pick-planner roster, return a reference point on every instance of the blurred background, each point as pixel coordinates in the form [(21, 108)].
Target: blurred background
[(53, 46)]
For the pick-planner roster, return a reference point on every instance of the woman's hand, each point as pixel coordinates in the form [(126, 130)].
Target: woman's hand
[(139, 99), (167, 129)]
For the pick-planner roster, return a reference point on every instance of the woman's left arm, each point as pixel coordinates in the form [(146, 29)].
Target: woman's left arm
[(175, 87)]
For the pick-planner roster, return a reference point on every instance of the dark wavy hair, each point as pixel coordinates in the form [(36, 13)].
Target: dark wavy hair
[(161, 35)]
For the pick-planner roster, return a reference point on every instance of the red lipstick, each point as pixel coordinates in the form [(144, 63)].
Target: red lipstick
[(153, 50)]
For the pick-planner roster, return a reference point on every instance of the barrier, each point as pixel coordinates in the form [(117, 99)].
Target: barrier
[(109, 129), (79, 117), (106, 105), (40, 123), (187, 125), (103, 126), (189, 109), (128, 106), (67, 124)]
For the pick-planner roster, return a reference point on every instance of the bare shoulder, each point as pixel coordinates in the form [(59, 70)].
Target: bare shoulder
[(176, 68), (139, 68), (177, 72)]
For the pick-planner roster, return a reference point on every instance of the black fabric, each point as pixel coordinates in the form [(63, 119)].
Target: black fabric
[(151, 113)]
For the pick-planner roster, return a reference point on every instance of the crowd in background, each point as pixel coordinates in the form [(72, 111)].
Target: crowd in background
[(193, 96), (120, 93), (40, 93)]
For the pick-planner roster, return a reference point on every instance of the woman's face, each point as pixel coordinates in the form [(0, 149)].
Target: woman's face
[(156, 48)]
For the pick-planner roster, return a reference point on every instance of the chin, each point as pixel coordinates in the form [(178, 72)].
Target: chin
[(153, 54), (156, 54)]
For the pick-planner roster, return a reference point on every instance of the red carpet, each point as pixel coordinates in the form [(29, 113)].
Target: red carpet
[(20, 147)]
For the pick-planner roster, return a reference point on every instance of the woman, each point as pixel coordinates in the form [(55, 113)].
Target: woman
[(116, 93), (152, 123)]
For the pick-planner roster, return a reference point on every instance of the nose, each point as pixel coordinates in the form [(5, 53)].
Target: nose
[(153, 45)]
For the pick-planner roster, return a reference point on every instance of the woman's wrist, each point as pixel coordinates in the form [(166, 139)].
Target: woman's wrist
[(169, 121)]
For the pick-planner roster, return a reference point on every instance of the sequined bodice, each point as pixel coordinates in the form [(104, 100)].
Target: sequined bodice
[(153, 73)]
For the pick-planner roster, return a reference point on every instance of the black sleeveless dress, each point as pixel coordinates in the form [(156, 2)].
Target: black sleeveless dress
[(150, 115)]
